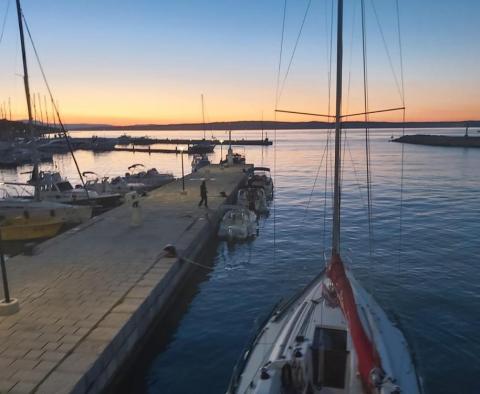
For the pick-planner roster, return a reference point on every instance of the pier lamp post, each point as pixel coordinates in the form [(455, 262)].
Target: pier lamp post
[(221, 151), (183, 173), (8, 306)]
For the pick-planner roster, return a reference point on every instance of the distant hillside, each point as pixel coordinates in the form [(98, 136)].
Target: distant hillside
[(271, 125)]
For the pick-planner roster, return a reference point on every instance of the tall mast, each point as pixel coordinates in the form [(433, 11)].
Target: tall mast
[(338, 134), (29, 106), (203, 117)]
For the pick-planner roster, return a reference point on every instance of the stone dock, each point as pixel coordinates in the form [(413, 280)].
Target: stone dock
[(88, 296)]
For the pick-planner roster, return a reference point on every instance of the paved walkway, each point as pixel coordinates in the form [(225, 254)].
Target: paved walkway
[(80, 292)]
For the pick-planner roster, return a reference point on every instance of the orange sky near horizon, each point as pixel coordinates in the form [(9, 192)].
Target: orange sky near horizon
[(113, 72)]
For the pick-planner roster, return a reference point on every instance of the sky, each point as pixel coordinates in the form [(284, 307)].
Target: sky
[(149, 61)]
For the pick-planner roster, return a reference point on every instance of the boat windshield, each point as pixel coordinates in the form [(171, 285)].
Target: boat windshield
[(64, 186)]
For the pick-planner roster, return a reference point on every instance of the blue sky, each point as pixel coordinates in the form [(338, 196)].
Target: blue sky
[(131, 61)]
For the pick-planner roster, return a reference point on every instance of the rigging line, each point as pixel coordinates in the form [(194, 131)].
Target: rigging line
[(294, 49), (350, 60), (4, 21), (275, 132), (325, 196), (64, 131), (386, 48), (314, 182), (330, 60), (400, 244), (281, 54), (367, 139), (357, 178)]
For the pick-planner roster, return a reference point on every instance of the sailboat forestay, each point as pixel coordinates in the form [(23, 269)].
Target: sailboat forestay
[(333, 337)]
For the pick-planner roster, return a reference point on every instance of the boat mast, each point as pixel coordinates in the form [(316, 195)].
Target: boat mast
[(203, 118), (29, 106), (338, 134)]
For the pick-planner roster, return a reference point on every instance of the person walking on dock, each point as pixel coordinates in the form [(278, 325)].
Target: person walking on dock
[(203, 195)]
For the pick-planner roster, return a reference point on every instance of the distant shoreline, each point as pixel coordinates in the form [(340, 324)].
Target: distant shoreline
[(270, 125), (19, 128)]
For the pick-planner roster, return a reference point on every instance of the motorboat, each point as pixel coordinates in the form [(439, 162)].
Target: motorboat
[(201, 147), (114, 185), (52, 187), (199, 161), (150, 178), (253, 198), (260, 177), (238, 223), (99, 144)]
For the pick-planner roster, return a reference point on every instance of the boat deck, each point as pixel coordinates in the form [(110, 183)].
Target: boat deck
[(89, 295)]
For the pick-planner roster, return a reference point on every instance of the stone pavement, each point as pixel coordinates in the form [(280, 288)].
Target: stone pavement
[(87, 296)]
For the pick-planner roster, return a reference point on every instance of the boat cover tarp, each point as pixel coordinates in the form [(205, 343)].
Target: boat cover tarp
[(368, 358)]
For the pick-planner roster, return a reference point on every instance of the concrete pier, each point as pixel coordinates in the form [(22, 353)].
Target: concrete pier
[(89, 295)]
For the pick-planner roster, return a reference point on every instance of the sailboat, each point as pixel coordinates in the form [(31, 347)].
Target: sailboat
[(203, 146), (333, 337), (34, 218)]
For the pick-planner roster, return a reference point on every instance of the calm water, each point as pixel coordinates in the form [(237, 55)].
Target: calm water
[(429, 282)]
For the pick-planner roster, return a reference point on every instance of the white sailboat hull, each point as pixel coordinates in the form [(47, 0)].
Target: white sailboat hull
[(289, 341)]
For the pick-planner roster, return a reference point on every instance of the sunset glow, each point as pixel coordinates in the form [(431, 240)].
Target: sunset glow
[(149, 61)]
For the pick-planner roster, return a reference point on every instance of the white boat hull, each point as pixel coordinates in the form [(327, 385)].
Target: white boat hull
[(289, 342)]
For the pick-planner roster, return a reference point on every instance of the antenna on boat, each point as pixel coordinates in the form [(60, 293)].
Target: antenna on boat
[(29, 106), (338, 134)]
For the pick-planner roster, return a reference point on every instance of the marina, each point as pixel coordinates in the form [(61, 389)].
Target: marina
[(205, 198), (81, 318)]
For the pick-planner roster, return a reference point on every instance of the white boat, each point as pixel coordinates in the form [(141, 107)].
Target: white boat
[(199, 161), (52, 187), (150, 178), (238, 224), (115, 185), (260, 177), (253, 198), (332, 338)]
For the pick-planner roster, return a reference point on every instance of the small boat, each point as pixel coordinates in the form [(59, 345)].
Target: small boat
[(260, 177), (52, 187), (239, 224), (233, 158), (26, 229), (199, 161), (253, 198), (115, 185), (99, 144), (202, 147), (150, 178)]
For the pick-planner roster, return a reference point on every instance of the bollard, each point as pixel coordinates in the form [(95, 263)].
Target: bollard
[(137, 219)]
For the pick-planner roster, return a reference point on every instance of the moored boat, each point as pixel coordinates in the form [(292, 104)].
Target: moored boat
[(12, 207), (150, 178), (115, 185), (238, 223), (253, 198), (260, 177), (199, 161), (27, 229)]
